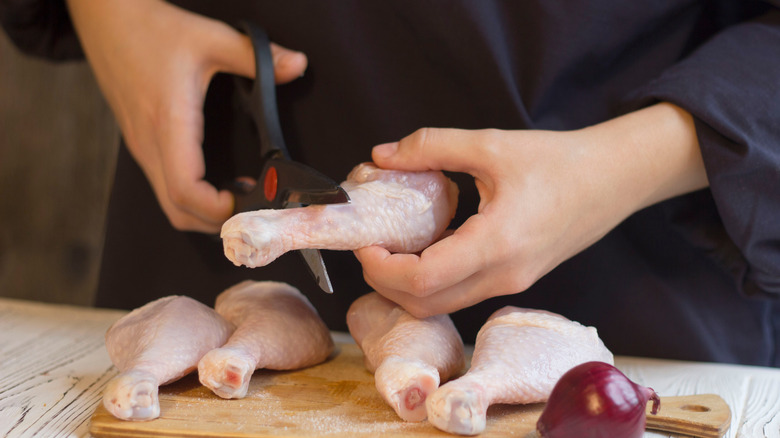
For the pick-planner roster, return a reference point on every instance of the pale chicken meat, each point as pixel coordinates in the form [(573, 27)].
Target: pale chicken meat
[(156, 344), (519, 355), (400, 211), (276, 328), (408, 356)]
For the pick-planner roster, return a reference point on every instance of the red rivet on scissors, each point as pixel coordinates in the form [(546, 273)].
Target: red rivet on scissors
[(270, 183)]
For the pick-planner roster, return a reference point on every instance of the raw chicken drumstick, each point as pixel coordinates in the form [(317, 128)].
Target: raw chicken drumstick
[(519, 355), (156, 344), (400, 211), (408, 356), (276, 328)]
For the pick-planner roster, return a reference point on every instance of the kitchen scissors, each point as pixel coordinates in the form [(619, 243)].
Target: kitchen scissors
[(281, 182)]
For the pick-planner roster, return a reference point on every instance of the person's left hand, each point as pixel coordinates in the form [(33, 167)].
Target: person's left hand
[(544, 196)]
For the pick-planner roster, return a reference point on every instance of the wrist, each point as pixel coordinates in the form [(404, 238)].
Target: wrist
[(648, 156)]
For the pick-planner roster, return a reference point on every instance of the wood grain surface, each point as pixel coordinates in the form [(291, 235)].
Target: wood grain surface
[(701, 415), (54, 369), (339, 398)]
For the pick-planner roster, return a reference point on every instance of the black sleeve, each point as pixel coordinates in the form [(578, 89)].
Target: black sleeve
[(40, 28), (731, 85)]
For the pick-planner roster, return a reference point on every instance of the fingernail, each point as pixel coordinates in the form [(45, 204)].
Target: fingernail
[(286, 56), (385, 150)]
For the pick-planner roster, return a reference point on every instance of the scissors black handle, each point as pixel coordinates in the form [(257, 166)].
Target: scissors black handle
[(281, 182), (260, 96)]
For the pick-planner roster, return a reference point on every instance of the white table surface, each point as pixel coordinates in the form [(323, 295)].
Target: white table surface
[(54, 367)]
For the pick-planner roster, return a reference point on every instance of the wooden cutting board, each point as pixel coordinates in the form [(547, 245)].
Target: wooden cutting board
[(338, 398)]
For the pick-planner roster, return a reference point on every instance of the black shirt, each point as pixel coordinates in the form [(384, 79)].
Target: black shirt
[(696, 277)]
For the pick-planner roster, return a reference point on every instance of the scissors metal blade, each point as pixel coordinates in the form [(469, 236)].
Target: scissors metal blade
[(316, 265), (336, 196)]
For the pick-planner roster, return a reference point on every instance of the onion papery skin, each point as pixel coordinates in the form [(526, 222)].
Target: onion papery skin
[(596, 400)]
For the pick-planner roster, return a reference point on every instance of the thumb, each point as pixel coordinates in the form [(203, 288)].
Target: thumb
[(288, 64), (429, 149), (232, 52)]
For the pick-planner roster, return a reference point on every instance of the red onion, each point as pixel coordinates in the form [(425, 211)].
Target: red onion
[(595, 400)]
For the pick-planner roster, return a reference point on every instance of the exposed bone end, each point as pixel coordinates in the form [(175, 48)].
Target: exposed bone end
[(453, 409), (132, 395), (226, 372), (253, 249), (405, 385)]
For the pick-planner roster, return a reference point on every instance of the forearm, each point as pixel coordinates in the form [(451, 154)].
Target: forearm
[(730, 86), (646, 156)]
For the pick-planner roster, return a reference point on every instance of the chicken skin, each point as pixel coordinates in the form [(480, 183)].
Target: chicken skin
[(156, 344), (519, 355), (276, 328), (408, 356), (400, 211)]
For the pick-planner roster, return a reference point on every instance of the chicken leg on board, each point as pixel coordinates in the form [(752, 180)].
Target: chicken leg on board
[(276, 328), (408, 356), (519, 355), (156, 344), (400, 211)]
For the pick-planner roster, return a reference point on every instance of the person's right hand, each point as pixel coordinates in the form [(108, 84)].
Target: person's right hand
[(154, 62)]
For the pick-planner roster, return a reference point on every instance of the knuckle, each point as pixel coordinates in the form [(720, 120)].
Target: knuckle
[(177, 195), (419, 285), (418, 311), (179, 222), (369, 280), (489, 143), (520, 282), (515, 274), (422, 284), (423, 138)]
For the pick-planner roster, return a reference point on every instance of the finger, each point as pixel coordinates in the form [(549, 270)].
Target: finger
[(145, 151), (184, 168), (464, 294), (434, 149), (232, 52), (288, 64), (443, 264), (485, 284), (179, 219)]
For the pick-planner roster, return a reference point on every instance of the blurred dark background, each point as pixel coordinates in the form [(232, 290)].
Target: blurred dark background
[(58, 144)]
